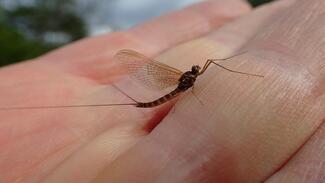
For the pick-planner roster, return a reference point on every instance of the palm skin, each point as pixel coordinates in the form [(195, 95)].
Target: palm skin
[(248, 130)]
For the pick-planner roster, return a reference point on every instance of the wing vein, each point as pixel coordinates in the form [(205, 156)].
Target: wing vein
[(152, 74)]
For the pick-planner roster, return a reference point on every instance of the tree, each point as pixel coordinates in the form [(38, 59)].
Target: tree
[(15, 47), (48, 16), (24, 30), (258, 2)]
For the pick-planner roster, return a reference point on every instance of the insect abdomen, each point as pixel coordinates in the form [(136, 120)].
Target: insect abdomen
[(161, 100)]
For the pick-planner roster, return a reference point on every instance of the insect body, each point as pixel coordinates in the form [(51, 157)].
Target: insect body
[(157, 75), (186, 81), (154, 75)]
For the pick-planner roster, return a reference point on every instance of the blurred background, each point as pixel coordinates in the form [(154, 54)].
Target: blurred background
[(29, 28)]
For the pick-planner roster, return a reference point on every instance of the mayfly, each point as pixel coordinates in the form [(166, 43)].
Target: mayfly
[(155, 75)]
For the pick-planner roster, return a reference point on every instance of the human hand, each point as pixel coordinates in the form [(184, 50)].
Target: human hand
[(248, 130)]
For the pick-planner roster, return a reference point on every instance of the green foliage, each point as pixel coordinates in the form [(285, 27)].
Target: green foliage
[(23, 29), (44, 18), (14, 47)]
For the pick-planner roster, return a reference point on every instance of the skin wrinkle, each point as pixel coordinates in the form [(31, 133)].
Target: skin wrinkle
[(198, 168), (284, 174), (118, 136), (34, 164), (55, 159), (297, 152), (178, 160), (291, 157), (282, 130), (229, 130)]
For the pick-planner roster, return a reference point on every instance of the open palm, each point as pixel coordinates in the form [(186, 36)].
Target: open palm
[(247, 130)]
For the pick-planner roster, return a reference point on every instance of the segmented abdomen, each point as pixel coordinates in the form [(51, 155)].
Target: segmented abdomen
[(161, 100)]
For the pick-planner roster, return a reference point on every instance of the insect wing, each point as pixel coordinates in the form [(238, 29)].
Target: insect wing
[(150, 73)]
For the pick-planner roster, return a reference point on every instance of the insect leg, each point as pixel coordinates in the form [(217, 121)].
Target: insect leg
[(227, 58), (239, 72), (192, 90), (206, 65), (210, 61)]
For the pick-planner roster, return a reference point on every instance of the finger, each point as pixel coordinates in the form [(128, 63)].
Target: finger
[(90, 159), (91, 56), (207, 143), (308, 164)]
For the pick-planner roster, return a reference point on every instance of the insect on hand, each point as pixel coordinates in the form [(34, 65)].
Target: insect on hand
[(157, 75), (154, 75)]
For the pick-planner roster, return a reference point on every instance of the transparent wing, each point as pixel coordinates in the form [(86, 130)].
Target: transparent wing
[(150, 73)]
